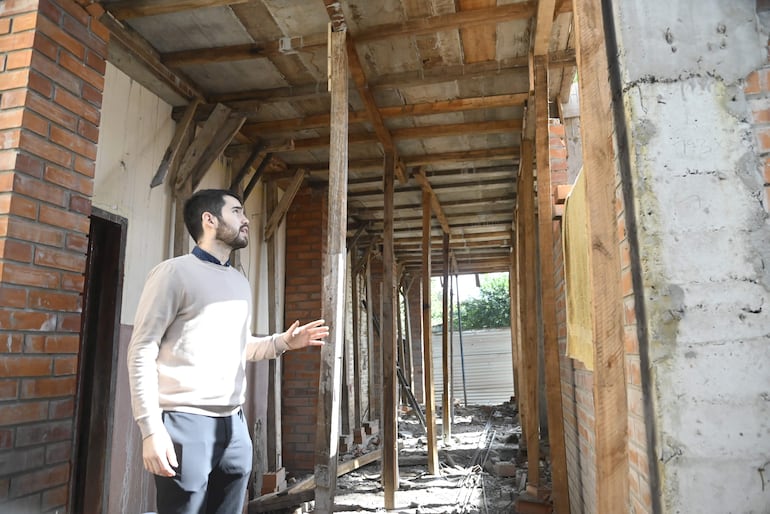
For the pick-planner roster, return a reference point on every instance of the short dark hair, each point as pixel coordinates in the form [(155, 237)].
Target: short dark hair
[(205, 200)]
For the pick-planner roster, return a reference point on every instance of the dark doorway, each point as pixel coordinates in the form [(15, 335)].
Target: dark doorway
[(98, 357)]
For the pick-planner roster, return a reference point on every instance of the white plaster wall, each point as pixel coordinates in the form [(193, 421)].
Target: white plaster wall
[(704, 241), (136, 128)]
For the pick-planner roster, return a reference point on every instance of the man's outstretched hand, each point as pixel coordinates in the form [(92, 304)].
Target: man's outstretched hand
[(311, 334)]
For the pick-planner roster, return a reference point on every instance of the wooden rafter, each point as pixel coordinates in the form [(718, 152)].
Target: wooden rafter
[(126, 9), (421, 179), (543, 26), (175, 147), (283, 206)]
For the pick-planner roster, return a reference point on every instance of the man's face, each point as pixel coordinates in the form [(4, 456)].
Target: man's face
[(233, 227)]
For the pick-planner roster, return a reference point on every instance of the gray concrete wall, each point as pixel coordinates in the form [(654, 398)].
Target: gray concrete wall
[(704, 246)]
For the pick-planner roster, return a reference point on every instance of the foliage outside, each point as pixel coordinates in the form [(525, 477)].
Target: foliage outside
[(491, 309)]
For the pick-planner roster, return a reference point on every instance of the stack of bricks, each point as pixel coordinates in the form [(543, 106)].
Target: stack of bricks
[(53, 62), (305, 248)]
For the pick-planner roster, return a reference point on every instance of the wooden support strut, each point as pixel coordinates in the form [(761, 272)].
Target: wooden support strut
[(427, 367), (333, 301)]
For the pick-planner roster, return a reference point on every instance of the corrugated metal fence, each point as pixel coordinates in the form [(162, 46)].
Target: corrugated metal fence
[(488, 366)]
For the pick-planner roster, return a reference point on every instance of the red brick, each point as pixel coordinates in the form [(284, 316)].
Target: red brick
[(45, 149), (11, 137), (7, 162), (64, 219), (92, 95), (16, 41), (62, 343), (25, 412), (41, 480), (34, 232), (65, 365), (15, 297), (14, 250), (90, 76), (96, 61), (752, 84), (5, 25), (61, 409), (11, 99), (6, 443), (72, 282), (73, 142), (24, 207), (34, 343), (77, 242), (48, 387), (29, 165), (70, 323), (53, 111), (85, 167), (76, 105), (40, 433), (53, 498), (61, 38), (18, 59), (54, 301), (51, 10), (58, 452), (47, 47), (25, 21), (9, 390), (28, 276), (56, 73), (40, 84), (80, 31), (31, 320), (88, 131), (35, 123)]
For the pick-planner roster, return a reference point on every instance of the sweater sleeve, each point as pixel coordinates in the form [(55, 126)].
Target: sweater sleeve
[(265, 347), (158, 306)]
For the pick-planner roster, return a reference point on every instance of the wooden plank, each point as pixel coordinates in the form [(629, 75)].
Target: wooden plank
[(356, 319), (560, 486), (266, 160), (333, 301), (479, 42), (446, 352), (528, 381), (127, 9), (257, 150), (457, 129), (513, 291), (201, 142), (177, 142), (283, 206), (596, 121), (216, 147), (427, 365), (336, 15), (543, 26), (420, 178), (274, 433), (383, 134), (388, 342), (454, 105)]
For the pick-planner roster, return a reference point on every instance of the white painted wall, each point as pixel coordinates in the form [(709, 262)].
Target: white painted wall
[(704, 242)]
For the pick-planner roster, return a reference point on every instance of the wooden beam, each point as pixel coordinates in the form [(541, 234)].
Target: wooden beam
[(148, 56), (597, 129), (560, 486), (421, 179), (446, 350), (356, 319), (457, 129), (543, 27), (256, 150), (127, 9), (454, 105), (333, 301), (283, 206), (209, 143), (274, 433), (336, 15), (427, 364), (383, 135), (176, 144), (528, 381), (513, 291), (245, 52), (389, 343)]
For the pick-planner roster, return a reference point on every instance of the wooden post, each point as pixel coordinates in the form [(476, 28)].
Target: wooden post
[(356, 301), (446, 352), (274, 442), (389, 349), (528, 381), (333, 302), (373, 397), (552, 368), (513, 291), (596, 121), (427, 353), (408, 368)]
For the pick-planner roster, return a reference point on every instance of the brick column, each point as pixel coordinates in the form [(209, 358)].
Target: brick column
[(52, 60), (306, 228)]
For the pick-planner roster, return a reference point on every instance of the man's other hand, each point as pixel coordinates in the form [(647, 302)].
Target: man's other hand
[(311, 334), (158, 454)]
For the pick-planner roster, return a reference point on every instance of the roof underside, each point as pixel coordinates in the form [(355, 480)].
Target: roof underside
[(449, 78)]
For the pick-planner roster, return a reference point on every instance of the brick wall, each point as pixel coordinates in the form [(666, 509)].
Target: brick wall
[(305, 247), (52, 62)]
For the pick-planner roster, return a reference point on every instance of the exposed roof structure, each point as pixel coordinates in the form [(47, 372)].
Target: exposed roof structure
[(443, 83)]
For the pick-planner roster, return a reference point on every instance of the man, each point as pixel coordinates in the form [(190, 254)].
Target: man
[(186, 360)]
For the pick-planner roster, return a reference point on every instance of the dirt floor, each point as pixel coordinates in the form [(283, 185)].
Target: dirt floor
[(481, 468)]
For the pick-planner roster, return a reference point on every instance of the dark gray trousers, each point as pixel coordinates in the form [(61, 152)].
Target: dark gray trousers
[(214, 457)]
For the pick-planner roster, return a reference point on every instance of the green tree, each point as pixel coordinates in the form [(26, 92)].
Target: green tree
[(492, 308)]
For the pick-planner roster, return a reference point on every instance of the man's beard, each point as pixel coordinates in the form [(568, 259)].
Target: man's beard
[(232, 238)]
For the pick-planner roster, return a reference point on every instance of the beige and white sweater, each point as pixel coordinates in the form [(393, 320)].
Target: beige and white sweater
[(191, 339)]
